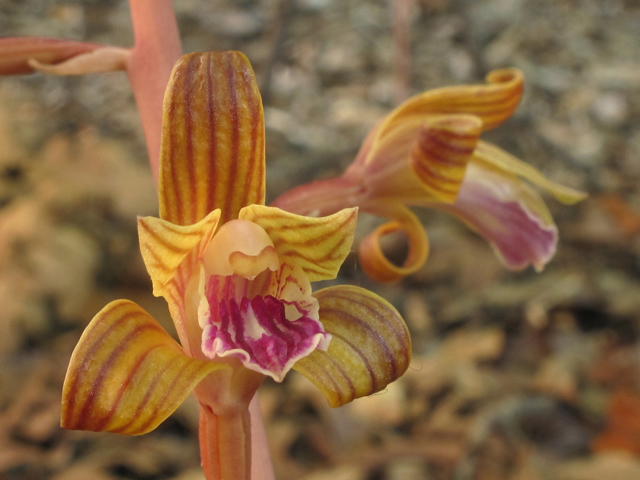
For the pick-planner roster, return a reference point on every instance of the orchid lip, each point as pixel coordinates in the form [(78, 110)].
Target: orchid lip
[(266, 333)]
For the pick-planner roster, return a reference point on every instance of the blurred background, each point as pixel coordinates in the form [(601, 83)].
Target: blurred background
[(516, 376)]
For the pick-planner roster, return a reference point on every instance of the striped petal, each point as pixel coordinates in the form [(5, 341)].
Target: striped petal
[(212, 148), (16, 53), (441, 152), (492, 156), (493, 103), (370, 347), (373, 260), (318, 245), (127, 374), (164, 246)]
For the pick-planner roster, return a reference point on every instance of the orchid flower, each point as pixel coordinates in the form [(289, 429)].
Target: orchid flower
[(428, 153), (236, 276)]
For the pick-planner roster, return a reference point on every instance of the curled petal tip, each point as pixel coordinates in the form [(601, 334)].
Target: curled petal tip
[(376, 264), (492, 103)]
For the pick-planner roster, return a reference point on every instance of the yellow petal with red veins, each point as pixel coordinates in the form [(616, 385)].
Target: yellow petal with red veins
[(493, 103), (441, 152), (495, 157), (212, 147), (370, 347), (373, 260), (317, 245), (127, 374), (165, 245)]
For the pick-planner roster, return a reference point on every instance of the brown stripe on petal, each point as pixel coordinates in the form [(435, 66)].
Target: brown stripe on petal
[(492, 103), (158, 396), (363, 358), (96, 334), (144, 404), (165, 246), (87, 416), (371, 346), (212, 148), (124, 364), (124, 387), (341, 387), (385, 316), (441, 152), (317, 245)]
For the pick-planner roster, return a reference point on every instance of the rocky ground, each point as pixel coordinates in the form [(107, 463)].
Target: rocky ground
[(519, 376)]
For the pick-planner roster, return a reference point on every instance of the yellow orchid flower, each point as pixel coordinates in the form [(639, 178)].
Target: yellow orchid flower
[(236, 275), (428, 153)]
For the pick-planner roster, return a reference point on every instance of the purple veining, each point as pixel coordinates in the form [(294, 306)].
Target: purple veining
[(258, 330)]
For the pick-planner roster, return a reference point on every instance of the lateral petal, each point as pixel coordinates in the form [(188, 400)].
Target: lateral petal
[(373, 260), (493, 156), (441, 152), (165, 245), (212, 147), (317, 245), (126, 374), (370, 345), (509, 214)]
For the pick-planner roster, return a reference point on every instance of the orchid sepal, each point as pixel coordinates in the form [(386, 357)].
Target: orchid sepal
[(212, 110), (127, 374)]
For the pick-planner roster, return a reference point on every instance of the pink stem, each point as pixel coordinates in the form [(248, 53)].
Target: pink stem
[(261, 468), (225, 446), (156, 50)]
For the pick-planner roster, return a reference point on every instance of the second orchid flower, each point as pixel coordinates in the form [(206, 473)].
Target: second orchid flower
[(428, 153)]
